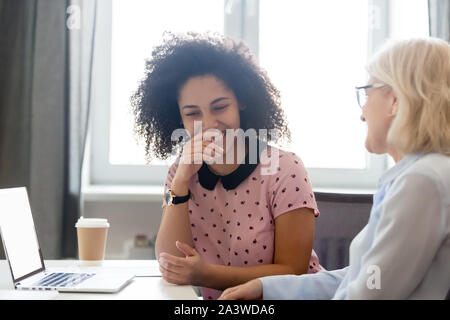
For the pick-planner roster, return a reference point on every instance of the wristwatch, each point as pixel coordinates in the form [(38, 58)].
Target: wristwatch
[(172, 199)]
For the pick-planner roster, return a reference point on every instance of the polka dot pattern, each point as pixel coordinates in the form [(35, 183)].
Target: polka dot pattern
[(236, 228)]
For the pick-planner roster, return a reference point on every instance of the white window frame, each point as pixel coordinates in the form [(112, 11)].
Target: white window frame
[(101, 172)]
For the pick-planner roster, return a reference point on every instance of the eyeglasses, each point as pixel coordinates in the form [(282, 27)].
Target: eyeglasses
[(361, 93)]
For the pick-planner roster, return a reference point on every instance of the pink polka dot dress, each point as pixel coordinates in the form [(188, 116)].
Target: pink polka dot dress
[(232, 217)]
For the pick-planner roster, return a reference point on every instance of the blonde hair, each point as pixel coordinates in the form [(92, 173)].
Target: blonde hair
[(418, 71)]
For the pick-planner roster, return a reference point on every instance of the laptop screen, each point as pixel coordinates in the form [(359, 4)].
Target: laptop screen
[(18, 232)]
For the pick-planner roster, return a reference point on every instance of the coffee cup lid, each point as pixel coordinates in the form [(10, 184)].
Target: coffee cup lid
[(92, 223)]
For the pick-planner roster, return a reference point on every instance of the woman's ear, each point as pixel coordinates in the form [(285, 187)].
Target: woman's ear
[(394, 106)]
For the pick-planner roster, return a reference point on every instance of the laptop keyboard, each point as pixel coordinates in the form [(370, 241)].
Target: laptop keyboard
[(58, 279)]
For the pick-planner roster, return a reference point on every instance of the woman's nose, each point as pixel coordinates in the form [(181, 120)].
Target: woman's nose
[(362, 118), (210, 122)]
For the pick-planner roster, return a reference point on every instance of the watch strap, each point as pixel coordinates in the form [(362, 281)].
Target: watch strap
[(181, 199)]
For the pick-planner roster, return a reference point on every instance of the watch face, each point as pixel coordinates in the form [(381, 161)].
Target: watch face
[(168, 197)]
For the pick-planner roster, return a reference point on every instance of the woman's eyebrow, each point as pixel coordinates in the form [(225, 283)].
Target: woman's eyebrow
[(218, 99), (190, 106)]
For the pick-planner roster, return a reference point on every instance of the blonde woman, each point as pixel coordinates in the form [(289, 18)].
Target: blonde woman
[(404, 250)]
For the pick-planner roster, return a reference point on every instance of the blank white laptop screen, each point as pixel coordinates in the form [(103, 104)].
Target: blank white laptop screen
[(18, 232)]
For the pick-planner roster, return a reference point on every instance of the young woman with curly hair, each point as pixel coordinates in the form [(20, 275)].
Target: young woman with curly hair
[(224, 222)]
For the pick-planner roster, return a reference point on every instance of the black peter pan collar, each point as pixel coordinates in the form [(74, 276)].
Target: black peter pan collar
[(208, 179)]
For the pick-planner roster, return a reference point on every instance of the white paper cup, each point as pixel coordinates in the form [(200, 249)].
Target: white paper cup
[(92, 235)]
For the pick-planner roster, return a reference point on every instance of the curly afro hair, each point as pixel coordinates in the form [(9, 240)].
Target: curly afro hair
[(180, 57)]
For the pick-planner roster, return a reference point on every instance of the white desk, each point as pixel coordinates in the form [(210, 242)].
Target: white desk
[(146, 286)]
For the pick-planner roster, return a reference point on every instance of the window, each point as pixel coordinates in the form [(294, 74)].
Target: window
[(324, 68), (127, 31), (313, 51), (136, 27)]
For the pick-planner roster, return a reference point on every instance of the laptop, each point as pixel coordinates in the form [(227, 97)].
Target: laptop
[(25, 257)]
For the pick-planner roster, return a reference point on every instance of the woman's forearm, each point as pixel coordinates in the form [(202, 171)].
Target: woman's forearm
[(174, 224), (221, 277)]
